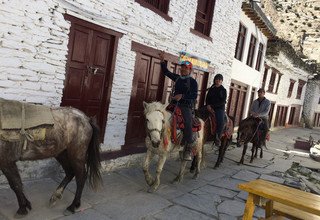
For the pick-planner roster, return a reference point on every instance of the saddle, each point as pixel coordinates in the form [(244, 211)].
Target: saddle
[(227, 127), (178, 121)]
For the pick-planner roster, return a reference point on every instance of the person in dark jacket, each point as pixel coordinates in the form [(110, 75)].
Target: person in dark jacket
[(184, 95), (216, 100)]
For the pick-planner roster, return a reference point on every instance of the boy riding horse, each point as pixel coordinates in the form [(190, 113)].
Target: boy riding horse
[(185, 95)]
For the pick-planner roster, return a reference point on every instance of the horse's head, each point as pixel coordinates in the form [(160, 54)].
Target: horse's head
[(246, 131), (155, 121)]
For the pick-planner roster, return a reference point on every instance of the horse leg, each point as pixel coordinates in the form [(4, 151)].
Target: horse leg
[(253, 150), (261, 151), (219, 157), (193, 165), (62, 158), (179, 177), (78, 167), (199, 158), (245, 146), (146, 165), (156, 183), (222, 151), (12, 174)]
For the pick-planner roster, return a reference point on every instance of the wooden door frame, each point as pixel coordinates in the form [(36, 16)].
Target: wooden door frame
[(112, 59)]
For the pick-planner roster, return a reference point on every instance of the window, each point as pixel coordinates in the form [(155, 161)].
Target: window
[(160, 7), (319, 101), (259, 57), (252, 48), (300, 87), (204, 16), (240, 42), (292, 82), (279, 78), (271, 82), (266, 69)]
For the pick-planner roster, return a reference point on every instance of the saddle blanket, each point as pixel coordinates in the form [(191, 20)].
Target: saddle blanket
[(17, 115)]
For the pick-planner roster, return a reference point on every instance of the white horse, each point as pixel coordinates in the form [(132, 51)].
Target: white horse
[(158, 142)]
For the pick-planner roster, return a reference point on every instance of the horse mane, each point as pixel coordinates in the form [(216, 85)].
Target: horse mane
[(154, 106)]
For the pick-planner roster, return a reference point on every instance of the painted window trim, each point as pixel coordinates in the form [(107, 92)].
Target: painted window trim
[(155, 9)]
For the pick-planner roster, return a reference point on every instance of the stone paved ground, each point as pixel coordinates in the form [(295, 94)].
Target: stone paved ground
[(213, 196)]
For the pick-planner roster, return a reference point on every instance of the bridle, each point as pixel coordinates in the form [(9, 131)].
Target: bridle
[(254, 133), (148, 131)]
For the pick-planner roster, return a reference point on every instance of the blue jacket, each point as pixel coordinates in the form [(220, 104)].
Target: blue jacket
[(261, 108), (187, 86)]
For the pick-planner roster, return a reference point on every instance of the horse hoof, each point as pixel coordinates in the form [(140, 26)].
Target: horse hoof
[(67, 212), (21, 213), (196, 176), (152, 190), (192, 170)]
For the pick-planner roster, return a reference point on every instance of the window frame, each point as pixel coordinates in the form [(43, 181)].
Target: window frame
[(163, 14), (290, 90), (251, 50), (205, 33), (300, 88), (240, 46), (272, 81), (265, 75), (259, 56)]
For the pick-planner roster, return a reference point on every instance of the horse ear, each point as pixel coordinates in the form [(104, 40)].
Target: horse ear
[(145, 105)]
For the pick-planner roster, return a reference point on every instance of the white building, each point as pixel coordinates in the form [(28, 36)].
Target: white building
[(101, 56), (284, 80), (248, 63)]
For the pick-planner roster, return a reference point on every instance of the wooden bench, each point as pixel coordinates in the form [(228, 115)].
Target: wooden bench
[(280, 200)]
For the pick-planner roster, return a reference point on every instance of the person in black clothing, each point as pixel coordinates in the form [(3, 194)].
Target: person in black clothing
[(184, 95), (216, 100)]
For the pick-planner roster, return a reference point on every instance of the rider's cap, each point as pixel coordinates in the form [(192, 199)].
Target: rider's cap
[(187, 64)]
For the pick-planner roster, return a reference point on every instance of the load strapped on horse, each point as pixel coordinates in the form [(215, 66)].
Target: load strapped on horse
[(32, 132), (251, 131)]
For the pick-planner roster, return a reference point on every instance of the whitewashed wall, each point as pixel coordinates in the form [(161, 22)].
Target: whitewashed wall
[(289, 71), (34, 38), (243, 73), (311, 102), (240, 70)]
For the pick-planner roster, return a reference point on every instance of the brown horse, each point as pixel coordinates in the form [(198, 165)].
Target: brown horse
[(73, 140), (209, 133), (249, 132)]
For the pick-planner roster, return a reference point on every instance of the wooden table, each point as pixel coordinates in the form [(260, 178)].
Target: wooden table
[(280, 199)]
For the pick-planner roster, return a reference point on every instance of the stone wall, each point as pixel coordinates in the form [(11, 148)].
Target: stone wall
[(311, 102), (34, 39)]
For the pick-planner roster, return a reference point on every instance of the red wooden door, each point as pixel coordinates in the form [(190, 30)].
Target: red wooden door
[(147, 86), (88, 78), (237, 95)]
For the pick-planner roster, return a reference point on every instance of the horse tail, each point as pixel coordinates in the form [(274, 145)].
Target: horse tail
[(93, 158)]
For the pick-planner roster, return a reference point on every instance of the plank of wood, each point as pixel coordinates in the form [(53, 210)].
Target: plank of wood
[(293, 213), (289, 196)]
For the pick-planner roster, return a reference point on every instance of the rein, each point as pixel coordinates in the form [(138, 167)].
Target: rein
[(155, 129), (254, 133)]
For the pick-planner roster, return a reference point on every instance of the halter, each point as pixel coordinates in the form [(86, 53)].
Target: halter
[(155, 129), (254, 133)]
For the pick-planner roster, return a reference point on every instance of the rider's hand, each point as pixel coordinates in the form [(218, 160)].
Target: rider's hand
[(253, 114), (177, 97), (161, 56), (209, 108)]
